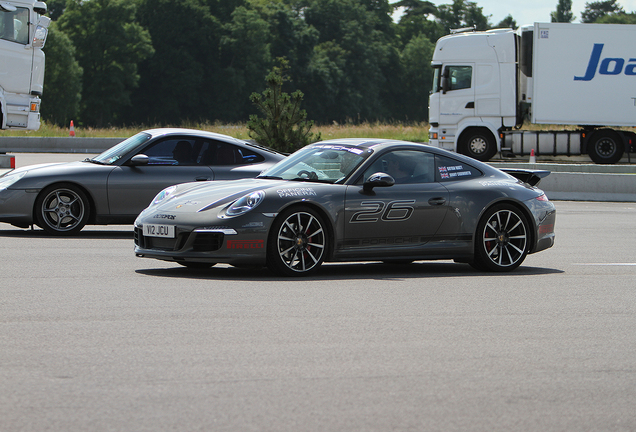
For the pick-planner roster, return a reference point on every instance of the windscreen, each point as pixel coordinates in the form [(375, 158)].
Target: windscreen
[(323, 163), (113, 154)]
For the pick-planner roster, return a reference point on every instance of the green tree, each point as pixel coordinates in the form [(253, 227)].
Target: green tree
[(417, 19), (353, 66), (563, 13), (460, 14), (417, 78), (109, 46), (180, 81), (55, 8), (598, 9), (245, 56), (285, 126), (63, 84), (508, 22), (621, 18)]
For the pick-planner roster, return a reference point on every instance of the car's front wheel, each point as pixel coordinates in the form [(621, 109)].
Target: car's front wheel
[(502, 239), (297, 243), (62, 209)]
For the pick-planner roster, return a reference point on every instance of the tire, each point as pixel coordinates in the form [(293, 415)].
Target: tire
[(62, 209), (502, 239), (478, 144), (605, 147), (297, 242), (196, 265)]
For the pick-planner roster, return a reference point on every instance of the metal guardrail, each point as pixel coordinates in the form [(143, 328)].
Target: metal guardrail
[(568, 181), (56, 144)]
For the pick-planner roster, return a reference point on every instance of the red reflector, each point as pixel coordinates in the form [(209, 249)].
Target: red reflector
[(546, 229), (13, 162)]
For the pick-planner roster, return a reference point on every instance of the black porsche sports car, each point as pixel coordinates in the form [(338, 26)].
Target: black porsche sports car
[(353, 200)]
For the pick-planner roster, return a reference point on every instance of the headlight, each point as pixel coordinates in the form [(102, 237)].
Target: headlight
[(10, 179), (163, 195), (245, 204)]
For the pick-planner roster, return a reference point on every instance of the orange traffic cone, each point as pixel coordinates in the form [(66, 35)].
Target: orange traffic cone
[(533, 158), (72, 131)]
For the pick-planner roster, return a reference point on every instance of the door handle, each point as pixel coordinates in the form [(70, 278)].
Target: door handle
[(203, 179), (437, 201)]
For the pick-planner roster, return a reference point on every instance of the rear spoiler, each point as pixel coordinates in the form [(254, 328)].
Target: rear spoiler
[(532, 177)]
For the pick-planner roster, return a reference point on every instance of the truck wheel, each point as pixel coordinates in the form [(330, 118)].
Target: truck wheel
[(605, 147), (478, 144)]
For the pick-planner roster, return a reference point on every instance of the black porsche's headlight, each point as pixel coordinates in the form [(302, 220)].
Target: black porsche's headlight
[(163, 195), (245, 204)]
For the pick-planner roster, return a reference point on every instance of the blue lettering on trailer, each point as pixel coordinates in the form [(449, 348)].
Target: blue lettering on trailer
[(608, 66)]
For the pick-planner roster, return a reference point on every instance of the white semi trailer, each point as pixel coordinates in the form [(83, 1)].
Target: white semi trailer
[(581, 77), (23, 31)]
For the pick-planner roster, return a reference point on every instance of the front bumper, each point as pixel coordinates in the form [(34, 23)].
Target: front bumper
[(16, 207), (214, 244)]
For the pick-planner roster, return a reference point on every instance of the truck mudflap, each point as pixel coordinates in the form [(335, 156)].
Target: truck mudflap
[(532, 177)]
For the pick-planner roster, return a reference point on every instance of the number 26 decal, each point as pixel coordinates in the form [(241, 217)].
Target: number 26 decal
[(388, 212)]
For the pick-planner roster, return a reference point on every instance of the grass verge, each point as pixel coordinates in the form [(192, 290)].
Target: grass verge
[(417, 132)]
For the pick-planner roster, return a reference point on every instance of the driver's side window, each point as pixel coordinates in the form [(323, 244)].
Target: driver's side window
[(173, 151), (405, 166)]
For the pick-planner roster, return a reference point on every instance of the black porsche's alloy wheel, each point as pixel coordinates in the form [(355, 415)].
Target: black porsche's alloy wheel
[(502, 239), (62, 210), (298, 242)]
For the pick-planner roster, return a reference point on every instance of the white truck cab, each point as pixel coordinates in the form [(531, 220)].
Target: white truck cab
[(471, 73), (579, 77), (23, 32)]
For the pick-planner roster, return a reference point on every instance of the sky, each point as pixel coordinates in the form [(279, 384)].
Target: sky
[(530, 11)]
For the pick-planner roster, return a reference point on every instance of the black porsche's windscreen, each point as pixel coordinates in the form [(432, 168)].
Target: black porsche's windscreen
[(324, 163)]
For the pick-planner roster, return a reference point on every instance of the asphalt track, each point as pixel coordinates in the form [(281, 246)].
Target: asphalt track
[(95, 339)]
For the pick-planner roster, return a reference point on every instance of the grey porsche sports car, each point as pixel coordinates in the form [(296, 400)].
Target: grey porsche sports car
[(116, 185), (353, 200)]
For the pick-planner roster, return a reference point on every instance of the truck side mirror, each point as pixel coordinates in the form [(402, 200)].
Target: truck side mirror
[(445, 85), (40, 7), (445, 80)]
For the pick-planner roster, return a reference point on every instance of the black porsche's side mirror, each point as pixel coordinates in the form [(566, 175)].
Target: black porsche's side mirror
[(140, 159), (378, 179)]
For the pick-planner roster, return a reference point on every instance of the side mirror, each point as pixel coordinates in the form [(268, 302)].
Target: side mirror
[(378, 179), (445, 80), (140, 159), (40, 7)]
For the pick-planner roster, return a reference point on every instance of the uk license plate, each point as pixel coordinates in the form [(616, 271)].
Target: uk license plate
[(155, 230)]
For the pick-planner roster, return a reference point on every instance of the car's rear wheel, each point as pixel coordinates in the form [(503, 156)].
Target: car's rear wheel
[(502, 239), (297, 243), (62, 209)]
